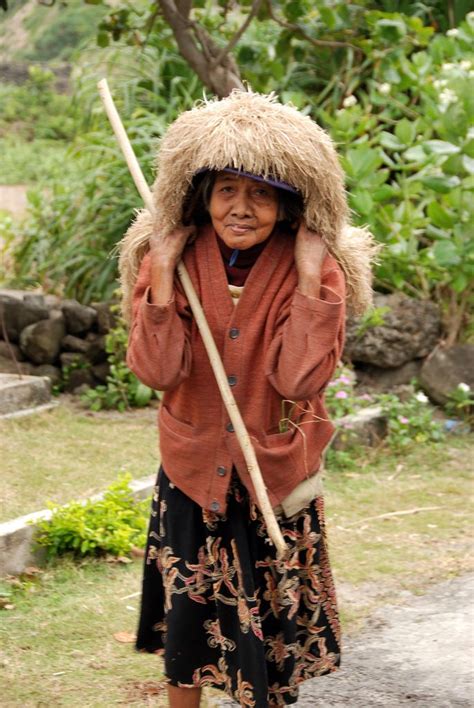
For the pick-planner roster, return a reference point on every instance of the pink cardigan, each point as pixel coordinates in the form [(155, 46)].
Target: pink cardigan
[(276, 344)]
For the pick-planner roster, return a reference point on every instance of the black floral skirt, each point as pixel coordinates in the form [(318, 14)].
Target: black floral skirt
[(224, 612)]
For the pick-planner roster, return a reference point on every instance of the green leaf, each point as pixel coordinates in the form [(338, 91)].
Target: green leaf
[(383, 193), (389, 141), (328, 17), (362, 202), (293, 10), (405, 131), (468, 164), (441, 184), (362, 161), (459, 283), (446, 254), (439, 216), (392, 30), (415, 154), (440, 147), (143, 394), (103, 39)]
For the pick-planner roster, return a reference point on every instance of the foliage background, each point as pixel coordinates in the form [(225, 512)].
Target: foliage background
[(393, 82)]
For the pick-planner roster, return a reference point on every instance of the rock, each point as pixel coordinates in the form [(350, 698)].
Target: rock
[(366, 427), (77, 378), (411, 330), (82, 388), (41, 342), (34, 299), (445, 369), (106, 319), (101, 371), (375, 378), (8, 366), (11, 351), (96, 352), (73, 360), (52, 301), (52, 372), (79, 318), (18, 314), (70, 343)]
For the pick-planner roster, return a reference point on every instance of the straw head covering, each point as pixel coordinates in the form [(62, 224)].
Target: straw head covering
[(256, 134)]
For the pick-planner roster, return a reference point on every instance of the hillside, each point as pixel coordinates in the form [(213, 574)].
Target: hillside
[(30, 31)]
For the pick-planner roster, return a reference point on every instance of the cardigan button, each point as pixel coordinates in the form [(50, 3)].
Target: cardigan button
[(215, 506), (232, 380), (221, 471), (234, 333), (229, 427)]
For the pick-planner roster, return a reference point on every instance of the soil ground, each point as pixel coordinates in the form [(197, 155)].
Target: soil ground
[(13, 199), (419, 653)]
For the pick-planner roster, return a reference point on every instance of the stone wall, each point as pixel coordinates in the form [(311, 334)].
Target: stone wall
[(45, 336)]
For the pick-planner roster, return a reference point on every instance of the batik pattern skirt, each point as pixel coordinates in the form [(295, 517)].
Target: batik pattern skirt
[(224, 611)]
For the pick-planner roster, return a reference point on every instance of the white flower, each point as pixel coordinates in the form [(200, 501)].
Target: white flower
[(421, 398), (452, 32), (384, 89), (470, 134), (439, 84), (446, 97), (448, 66), (470, 16), (465, 64), (349, 101), (464, 387)]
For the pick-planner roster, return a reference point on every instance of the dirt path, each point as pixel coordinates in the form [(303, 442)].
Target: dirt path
[(13, 199), (420, 653)]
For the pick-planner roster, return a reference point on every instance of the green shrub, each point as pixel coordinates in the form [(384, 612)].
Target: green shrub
[(114, 524), (408, 150), (409, 421), (35, 110), (66, 243), (123, 390)]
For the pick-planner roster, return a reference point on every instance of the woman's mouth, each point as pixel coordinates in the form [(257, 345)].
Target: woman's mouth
[(239, 229)]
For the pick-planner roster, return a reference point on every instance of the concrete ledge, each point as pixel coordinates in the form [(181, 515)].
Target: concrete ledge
[(368, 426), (30, 411), (20, 393)]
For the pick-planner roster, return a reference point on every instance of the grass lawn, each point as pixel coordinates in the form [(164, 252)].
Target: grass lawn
[(58, 639), (70, 453)]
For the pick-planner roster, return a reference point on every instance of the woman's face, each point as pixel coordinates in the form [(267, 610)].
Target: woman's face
[(243, 211)]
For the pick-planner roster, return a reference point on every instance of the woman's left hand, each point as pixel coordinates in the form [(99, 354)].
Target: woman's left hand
[(310, 252)]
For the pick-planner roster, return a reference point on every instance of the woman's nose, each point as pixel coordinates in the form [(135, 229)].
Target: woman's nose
[(241, 206)]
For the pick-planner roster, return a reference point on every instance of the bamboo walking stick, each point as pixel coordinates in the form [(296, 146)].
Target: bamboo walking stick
[(214, 357)]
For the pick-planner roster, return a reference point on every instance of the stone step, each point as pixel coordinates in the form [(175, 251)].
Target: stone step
[(20, 393)]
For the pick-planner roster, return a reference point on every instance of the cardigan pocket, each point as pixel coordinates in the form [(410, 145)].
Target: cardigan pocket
[(278, 439), (174, 425)]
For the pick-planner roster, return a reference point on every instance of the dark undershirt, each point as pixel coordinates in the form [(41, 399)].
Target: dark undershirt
[(237, 273)]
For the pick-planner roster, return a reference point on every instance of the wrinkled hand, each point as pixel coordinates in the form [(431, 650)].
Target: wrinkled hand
[(166, 249), (310, 252)]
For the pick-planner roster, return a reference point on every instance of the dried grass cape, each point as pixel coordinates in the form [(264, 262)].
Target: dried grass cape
[(257, 134)]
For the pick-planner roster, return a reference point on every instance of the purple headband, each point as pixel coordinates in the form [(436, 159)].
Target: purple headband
[(267, 180)]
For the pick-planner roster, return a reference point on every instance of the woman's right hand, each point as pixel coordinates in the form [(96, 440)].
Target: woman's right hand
[(166, 249), (165, 254)]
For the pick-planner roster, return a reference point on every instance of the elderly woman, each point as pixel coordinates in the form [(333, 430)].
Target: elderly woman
[(250, 194)]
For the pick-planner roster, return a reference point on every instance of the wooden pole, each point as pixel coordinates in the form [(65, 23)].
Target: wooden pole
[(274, 530)]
